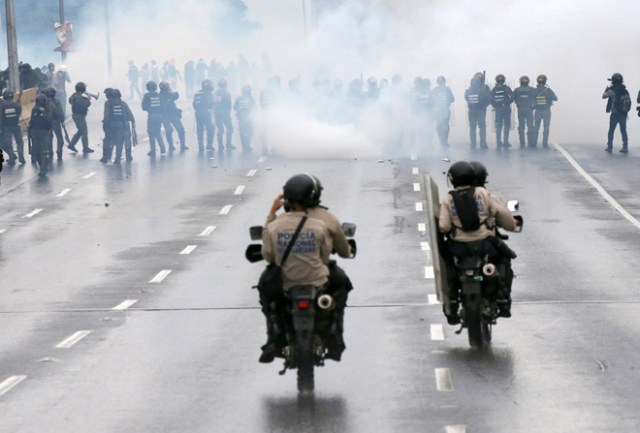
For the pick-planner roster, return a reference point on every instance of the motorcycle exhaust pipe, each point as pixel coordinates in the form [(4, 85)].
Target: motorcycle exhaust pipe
[(325, 302), (489, 270)]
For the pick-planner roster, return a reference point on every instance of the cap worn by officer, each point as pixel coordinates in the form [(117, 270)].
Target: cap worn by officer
[(303, 189), (461, 173), (616, 78)]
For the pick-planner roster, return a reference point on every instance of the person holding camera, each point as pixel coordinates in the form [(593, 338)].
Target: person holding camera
[(619, 105)]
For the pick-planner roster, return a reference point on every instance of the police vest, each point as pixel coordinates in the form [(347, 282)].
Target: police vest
[(542, 101), (78, 107), (38, 119), (500, 96), (155, 106), (116, 113), (10, 115), (198, 101), (473, 100), (244, 105)]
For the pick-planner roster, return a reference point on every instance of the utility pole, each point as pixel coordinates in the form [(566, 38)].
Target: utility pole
[(108, 26), (62, 53), (12, 46), (304, 17)]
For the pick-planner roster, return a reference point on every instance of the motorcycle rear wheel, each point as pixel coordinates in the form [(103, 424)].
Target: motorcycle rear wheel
[(305, 369), (473, 320)]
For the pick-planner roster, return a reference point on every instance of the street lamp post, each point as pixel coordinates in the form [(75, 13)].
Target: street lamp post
[(62, 52), (12, 46), (108, 25)]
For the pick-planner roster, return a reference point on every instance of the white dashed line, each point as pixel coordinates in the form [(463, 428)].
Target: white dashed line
[(428, 273), (2, 231), (239, 190), (425, 246), (422, 227), (33, 213), (125, 304), (10, 383), (252, 172), (207, 231), (437, 333), (160, 276), (188, 250), (433, 299), (70, 341), (460, 428), (414, 157), (419, 207), (416, 187), (145, 139), (415, 170), (262, 159), (90, 175), (225, 210), (443, 379), (64, 192)]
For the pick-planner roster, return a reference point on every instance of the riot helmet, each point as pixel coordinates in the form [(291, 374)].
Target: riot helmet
[(116, 93), (207, 84), (500, 79), (616, 78), (417, 81), (481, 173), (152, 86), (246, 90), (222, 83), (302, 189), (461, 173), (164, 86), (426, 83), (441, 80), (49, 92), (479, 76), (542, 79), (109, 92), (7, 95), (81, 87), (524, 80), (41, 101), (372, 82)]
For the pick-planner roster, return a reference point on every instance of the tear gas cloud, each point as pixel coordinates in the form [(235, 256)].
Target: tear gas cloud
[(577, 45)]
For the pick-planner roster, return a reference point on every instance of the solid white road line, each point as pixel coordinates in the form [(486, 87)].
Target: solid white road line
[(188, 250), (33, 213), (70, 341), (425, 246), (225, 210), (422, 227), (428, 273), (415, 170), (160, 276), (459, 428), (603, 192), (252, 172), (10, 383), (433, 299), (419, 207), (90, 175), (239, 190), (443, 379), (207, 231), (416, 187), (125, 304), (437, 333), (64, 192)]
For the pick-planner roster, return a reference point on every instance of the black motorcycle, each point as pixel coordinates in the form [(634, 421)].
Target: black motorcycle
[(308, 317)]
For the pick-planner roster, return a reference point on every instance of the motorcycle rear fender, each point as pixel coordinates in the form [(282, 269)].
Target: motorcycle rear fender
[(470, 263), (303, 318), (471, 287)]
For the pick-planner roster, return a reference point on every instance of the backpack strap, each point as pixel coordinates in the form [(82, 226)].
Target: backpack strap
[(293, 240)]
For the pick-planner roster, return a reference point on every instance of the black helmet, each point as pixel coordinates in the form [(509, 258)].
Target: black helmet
[(461, 173), (441, 80), (524, 80), (207, 84), (303, 189), (81, 87), (109, 92), (481, 173), (116, 93), (41, 101), (7, 95), (165, 86), (616, 78), (222, 83), (50, 92), (152, 86), (542, 79), (500, 79), (246, 90)]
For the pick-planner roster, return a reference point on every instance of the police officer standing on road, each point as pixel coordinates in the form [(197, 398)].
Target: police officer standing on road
[(478, 98), (619, 105), (442, 98), (57, 119), (501, 100), (244, 108), (129, 129), (80, 104), (171, 116), (222, 109), (524, 97), (40, 133), (10, 120), (117, 116), (203, 104), (542, 106), (152, 105)]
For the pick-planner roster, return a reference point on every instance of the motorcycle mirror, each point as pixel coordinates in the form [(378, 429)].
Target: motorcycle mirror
[(254, 253), (349, 229), (513, 205), (354, 247), (520, 222), (256, 233)]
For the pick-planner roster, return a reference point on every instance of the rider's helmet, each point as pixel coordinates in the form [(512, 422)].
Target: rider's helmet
[(481, 173), (303, 189), (461, 173)]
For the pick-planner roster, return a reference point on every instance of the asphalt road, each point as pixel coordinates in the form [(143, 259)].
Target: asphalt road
[(126, 303)]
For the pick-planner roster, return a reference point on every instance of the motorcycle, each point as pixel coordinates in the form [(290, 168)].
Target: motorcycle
[(479, 309), (308, 317)]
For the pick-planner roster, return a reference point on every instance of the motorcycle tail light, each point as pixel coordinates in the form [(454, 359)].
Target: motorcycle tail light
[(304, 304)]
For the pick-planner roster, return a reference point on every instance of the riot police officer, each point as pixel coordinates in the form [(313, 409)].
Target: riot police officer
[(542, 106), (222, 110), (40, 126), (524, 97), (80, 104), (442, 98), (117, 116), (10, 120), (57, 119), (477, 99), (152, 105), (244, 107), (171, 116), (130, 127), (501, 100), (203, 104)]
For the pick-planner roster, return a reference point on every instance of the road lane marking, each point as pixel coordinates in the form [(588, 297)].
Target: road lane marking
[(73, 339), (10, 383), (2, 231), (422, 227), (188, 250), (33, 213), (90, 175), (64, 192), (145, 139), (433, 299), (262, 159), (160, 276), (459, 428), (419, 207), (428, 273), (603, 192), (125, 304), (239, 190), (207, 231), (443, 379), (437, 333), (425, 246), (225, 210), (416, 187), (415, 170), (414, 158), (252, 172)]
